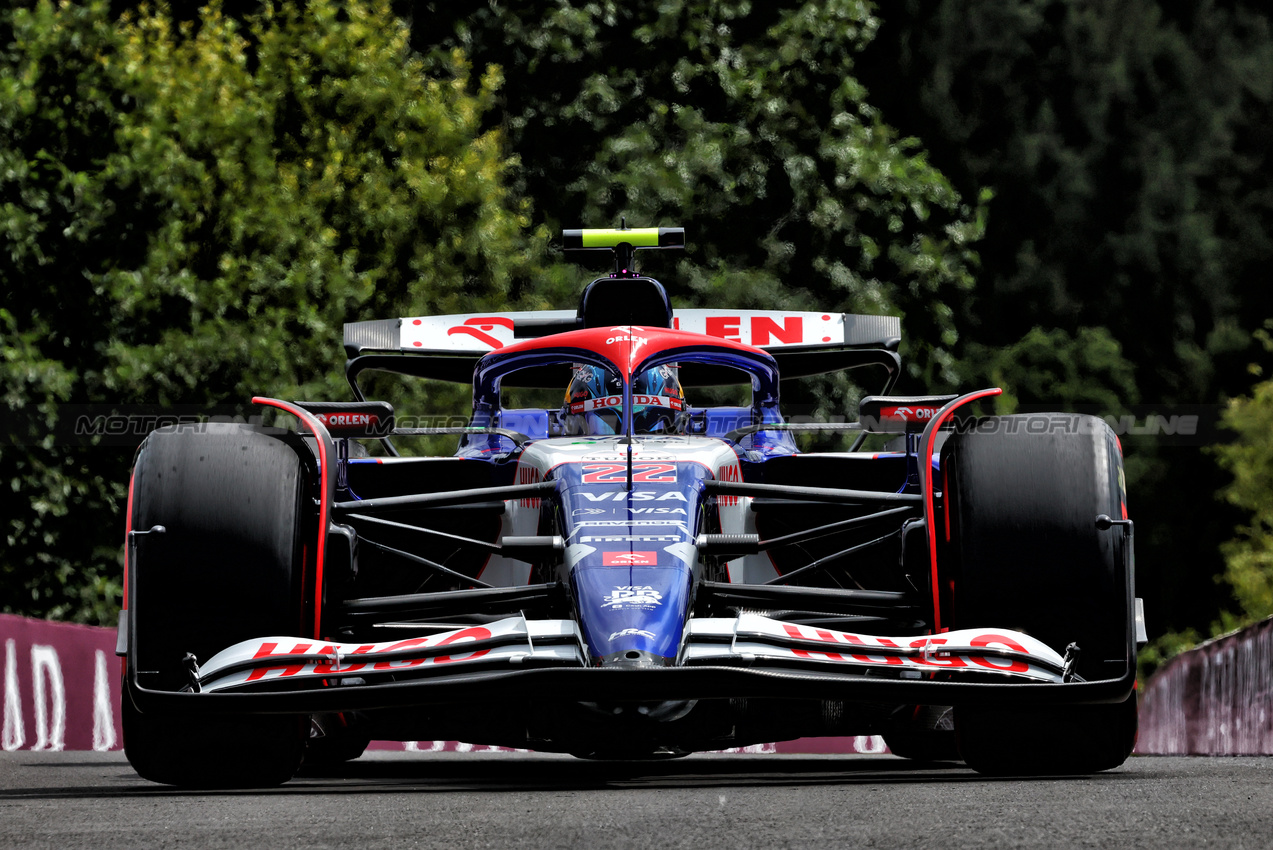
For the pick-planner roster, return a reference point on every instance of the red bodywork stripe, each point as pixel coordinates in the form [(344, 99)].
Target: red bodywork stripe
[(324, 500), (616, 344), (930, 514), (304, 574)]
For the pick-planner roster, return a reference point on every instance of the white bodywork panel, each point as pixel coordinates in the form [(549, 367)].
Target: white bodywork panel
[(748, 639), (291, 658), (478, 333), (754, 636)]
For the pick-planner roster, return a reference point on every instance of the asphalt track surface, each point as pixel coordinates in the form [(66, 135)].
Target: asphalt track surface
[(513, 800)]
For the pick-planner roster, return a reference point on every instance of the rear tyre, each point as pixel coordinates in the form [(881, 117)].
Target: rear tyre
[(227, 568), (1023, 494), (334, 739), (923, 746), (926, 734)]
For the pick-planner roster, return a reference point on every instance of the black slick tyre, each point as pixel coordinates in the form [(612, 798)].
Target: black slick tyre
[(227, 568), (923, 734), (1023, 493), (923, 746), (1046, 740), (334, 740)]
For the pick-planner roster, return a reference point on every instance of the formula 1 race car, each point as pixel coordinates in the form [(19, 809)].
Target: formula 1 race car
[(619, 573)]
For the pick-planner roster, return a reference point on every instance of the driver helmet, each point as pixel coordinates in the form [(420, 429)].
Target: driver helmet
[(594, 401)]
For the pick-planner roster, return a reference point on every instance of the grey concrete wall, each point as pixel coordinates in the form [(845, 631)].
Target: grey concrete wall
[(1213, 700)]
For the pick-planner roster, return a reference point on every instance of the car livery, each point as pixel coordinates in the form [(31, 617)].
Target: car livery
[(585, 578)]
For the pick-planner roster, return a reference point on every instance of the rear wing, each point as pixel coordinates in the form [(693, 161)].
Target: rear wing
[(803, 344), (475, 334)]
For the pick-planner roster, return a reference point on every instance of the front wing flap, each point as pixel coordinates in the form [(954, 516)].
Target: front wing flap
[(753, 639), (514, 641), (749, 641)]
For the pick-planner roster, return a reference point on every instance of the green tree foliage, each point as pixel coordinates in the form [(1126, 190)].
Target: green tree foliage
[(59, 224), (310, 174), (192, 210), (1126, 145), (1069, 372), (1249, 458), (195, 201), (744, 122)]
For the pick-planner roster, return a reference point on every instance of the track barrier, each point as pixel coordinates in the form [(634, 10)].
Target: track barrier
[(61, 690), (1214, 700), (60, 686)]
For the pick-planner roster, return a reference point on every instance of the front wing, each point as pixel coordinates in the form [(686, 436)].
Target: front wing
[(746, 656)]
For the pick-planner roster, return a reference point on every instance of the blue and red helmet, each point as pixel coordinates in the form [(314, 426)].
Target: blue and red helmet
[(594, 401)]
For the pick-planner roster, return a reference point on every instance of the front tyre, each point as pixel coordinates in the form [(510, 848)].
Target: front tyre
[(213, 752), (1046, 740), (227, 568), (1023, 494)]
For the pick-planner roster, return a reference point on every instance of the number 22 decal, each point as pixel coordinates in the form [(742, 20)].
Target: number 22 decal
[(617, 473)]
